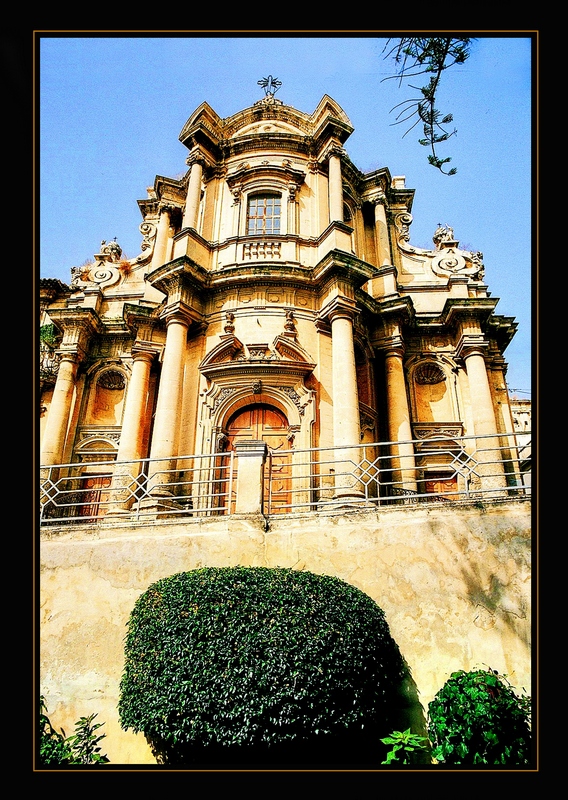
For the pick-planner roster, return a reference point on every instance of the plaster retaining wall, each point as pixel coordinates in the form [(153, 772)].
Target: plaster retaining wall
[(453, 581)]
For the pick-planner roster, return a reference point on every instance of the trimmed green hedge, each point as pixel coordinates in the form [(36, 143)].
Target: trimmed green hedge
[(258, 664)]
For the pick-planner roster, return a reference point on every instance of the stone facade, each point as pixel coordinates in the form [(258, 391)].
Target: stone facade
[(277, 302), (273, 274)]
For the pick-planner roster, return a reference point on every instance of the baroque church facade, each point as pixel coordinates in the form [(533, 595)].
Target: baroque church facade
[(279, 378), (276, 298)]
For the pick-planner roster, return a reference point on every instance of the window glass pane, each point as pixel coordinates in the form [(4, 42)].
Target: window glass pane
[(263, 215)]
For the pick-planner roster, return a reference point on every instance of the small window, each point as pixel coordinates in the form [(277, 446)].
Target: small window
[(263, 214)]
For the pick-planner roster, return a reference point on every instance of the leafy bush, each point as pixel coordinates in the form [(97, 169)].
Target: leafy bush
[(404, 745), (85, 742), (252, 664), (476, 718), (53, 748), (48, 334), (81, 748)]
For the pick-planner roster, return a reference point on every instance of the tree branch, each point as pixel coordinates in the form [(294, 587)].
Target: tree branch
[(432, 56)]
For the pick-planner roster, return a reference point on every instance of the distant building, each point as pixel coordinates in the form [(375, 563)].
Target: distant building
[(521, 411)]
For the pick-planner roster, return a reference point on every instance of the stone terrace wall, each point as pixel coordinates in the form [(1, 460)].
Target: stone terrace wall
[(454, 582)]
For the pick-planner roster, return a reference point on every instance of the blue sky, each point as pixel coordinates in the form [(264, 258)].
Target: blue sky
[(111, 108)]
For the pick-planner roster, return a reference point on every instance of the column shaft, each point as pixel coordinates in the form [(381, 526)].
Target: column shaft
[(482, 402), (135, 408), (335, 189), (193, 199), (346, 426), (487, 450), (127, 475), (59, 411), (382, 235), (400, 432), (161, 251), (166, 425)]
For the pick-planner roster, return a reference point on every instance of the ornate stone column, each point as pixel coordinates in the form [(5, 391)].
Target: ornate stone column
[(163, 242), (335, 185), (403, 463), (56, 426), (193, 199), (346, 429), (482, 402), (381, 231), (503, 415), (78, 326), (346, 426), (132, 433), (165, 435), (136, 406), (487, 450)]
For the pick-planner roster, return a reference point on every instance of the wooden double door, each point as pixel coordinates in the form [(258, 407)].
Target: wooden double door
[(441, 484), (93, 496), (262, 422)]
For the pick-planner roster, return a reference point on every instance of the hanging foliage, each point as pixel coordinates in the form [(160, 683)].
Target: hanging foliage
[(431, 57)]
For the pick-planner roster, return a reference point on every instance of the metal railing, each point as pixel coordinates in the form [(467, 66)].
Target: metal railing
[(147, 488), (432, 470)]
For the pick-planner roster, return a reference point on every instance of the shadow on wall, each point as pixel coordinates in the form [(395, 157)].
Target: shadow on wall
[(411, 715), (494, 586)]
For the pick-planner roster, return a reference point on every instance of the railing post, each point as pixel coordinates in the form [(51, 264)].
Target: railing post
[(251, 457)]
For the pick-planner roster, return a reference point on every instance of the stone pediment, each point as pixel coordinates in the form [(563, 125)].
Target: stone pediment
[(203, 126), (232, 356), (228, 350), (287, 348), (284, 172)]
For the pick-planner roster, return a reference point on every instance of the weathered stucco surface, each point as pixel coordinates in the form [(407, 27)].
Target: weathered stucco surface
[(454, 582)]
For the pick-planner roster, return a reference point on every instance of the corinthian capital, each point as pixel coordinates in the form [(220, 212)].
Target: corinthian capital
[(78, 327), (198, 157), (336, 150), (339, 307)]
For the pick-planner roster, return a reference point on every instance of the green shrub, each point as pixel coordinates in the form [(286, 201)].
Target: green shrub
[(53, 748), (252, 664), (84, 743), (81, 748), (476, 718), (404, 745)]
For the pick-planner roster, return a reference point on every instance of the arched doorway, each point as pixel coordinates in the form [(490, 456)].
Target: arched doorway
[(266, 423)]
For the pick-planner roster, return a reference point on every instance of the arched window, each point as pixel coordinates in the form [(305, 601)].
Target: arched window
[(263, 214)]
